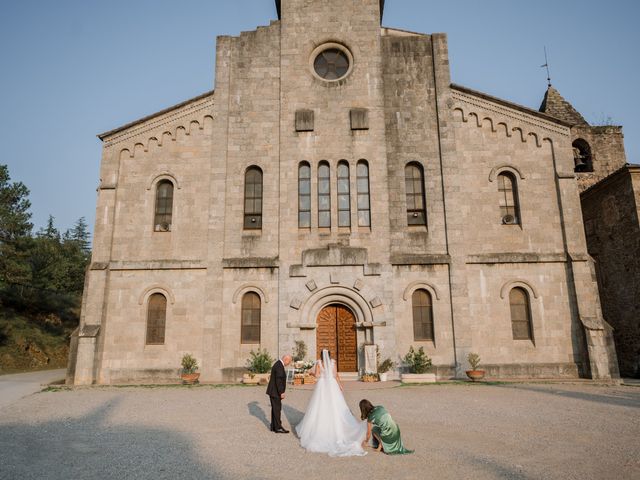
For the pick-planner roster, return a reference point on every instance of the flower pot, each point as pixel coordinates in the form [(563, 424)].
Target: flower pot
[(255, 378), (384, 376), (418, 378), (475, 375), (190, 378), (298, 379), (309, 380)]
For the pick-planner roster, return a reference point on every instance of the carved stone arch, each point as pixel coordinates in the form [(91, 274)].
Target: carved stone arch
[(336, 294), (165, 133), (177, 129), (155, 178), (138, 147), (516, 282), (191, 128), (156, 288), (420, 285), (152, 139), (128, 154), (462, 117), (505, 168), (490, 120), (250, 287), (474, 114), (522, 135), (536, 137), (507, 131)]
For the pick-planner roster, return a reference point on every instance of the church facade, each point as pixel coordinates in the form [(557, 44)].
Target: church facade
[(337, 188)]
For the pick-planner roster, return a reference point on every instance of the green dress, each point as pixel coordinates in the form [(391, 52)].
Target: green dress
[(387, 430)]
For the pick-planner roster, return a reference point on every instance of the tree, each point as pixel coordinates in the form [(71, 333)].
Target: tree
[(80, 233), (15, 229)]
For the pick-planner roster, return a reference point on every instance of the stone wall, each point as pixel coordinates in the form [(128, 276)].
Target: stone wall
[(611, 212)]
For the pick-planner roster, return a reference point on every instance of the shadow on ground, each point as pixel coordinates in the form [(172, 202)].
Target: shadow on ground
[(617, 398), (88, 447), (293, 415)]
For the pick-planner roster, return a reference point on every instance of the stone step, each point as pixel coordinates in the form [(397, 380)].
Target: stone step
[(349, 376)]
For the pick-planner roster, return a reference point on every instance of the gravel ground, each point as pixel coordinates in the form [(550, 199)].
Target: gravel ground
[(560, 431)]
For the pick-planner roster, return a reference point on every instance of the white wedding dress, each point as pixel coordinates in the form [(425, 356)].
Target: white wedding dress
[(328, 425)]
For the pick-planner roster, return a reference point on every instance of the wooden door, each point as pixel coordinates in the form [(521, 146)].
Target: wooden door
[(337, 333)]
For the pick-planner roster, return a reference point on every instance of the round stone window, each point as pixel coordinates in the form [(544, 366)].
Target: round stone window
[(331, 62)]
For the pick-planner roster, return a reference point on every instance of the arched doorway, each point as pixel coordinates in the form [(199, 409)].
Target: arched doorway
[(337, 333)]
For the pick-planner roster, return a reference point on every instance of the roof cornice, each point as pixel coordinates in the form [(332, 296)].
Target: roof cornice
[(506, 103), (104, 135)]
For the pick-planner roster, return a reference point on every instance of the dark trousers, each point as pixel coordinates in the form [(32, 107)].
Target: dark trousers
[(276, 409)]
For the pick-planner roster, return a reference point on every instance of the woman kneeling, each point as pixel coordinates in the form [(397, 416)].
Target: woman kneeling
[(383, 429)]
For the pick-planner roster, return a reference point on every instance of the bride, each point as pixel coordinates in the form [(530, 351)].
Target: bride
[(328, 425)]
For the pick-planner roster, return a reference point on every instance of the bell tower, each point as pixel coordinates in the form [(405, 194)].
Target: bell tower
[(279, 8)]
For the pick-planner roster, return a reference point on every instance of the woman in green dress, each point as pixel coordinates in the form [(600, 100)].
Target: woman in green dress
[(383, 429)]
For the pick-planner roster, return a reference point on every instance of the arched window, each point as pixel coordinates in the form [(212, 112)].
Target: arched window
[(509, 205), (156, 319), (164, 206), (422, 315), (582, 156), (364, 201), (253, 199), (304, 195), (344, 195), (250, 328), (520, 314), (324, 195), (414, 183)]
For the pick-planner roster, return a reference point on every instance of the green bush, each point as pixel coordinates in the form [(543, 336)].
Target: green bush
[(260, 361), (386, 365), (418, 362), (189, 364)]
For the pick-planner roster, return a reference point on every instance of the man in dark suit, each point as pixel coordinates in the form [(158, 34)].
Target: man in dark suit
[(275, 390)]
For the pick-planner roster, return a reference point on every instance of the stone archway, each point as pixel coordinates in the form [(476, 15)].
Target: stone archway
[(337, 333)]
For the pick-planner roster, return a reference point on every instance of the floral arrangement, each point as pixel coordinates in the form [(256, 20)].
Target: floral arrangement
[(303, 366)]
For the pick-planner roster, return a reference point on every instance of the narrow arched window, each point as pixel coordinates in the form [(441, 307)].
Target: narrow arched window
[(253, 199), (509, 206), (364, 200), (414, 183), (520, 314), (344, 195), (324, 195), (304, 195), (582, 159), (156, 319), (422, 316), (164, 206), (250, 328)]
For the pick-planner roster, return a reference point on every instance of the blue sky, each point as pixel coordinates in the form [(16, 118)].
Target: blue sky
[(71, 69)]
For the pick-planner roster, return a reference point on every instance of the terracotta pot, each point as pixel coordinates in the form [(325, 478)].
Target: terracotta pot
[(190, 378), (475, 375)]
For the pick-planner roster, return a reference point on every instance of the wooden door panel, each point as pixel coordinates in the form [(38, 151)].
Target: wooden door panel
[(326, 336), (347, 341)]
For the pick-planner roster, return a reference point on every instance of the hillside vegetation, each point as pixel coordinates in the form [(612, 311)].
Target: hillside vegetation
[(41, 281)]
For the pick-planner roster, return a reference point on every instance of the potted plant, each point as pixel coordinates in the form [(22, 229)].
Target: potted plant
[(259, 366), (474, 374), (189, 366), (384, 368), (419, 364)]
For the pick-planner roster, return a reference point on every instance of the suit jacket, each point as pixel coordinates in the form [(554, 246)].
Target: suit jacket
[(278, 381)]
